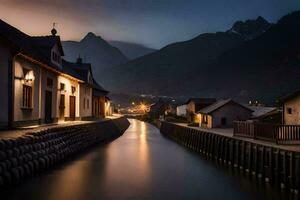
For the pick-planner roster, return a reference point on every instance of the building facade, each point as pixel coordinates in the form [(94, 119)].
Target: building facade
[(38, 85), (291, 109), (99, 101), (222, 114), (193, 105), (181, 110)]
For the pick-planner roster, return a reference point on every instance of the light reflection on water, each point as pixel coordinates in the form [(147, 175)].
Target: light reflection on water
[(141, 165)]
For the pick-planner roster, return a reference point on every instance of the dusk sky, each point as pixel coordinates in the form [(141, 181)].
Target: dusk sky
[(154, 23)]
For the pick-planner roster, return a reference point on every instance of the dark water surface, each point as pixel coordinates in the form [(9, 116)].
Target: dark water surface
[(141, 164)]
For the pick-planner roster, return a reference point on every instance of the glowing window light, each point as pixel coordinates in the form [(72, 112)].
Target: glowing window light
[(29, 76)]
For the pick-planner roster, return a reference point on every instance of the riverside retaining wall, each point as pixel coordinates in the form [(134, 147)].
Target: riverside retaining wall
[(25, 156), (267, 163)]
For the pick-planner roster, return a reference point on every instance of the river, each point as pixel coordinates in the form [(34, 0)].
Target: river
[(141, 164)]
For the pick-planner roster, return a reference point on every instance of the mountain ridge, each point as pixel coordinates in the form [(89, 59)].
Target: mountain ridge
[(217, 60)]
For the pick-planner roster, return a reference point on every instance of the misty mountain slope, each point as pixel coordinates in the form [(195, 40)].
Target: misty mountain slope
[(174, 69), (95, 50), (132, 50)]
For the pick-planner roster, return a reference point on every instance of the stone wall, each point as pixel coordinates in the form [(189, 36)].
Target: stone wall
[(267, 163), (25, 156)]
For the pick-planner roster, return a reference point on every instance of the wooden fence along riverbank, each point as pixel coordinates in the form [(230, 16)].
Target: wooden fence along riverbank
[(270, 164), (25, 156), (278, 133)]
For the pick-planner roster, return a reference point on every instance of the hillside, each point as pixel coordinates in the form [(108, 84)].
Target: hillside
[(131, 50), (193, 67), (95, 50)]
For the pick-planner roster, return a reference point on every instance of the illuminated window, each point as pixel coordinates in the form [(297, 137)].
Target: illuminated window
[(27, 97), (204, 119)]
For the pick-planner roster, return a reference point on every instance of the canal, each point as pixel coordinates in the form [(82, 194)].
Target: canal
[(141, 164)]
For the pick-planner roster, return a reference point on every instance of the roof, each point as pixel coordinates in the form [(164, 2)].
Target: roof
[(261, 111), (219, 104), (68, 69), (97, 87), (202, 100), (289, 96), (12, 34), (78, 70), (38, 48)]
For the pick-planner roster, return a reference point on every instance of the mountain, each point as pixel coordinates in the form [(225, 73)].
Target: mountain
[(250, 29), (132, 50), (97, 51), (190, 68)]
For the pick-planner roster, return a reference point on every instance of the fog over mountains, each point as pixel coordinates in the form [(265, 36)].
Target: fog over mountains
[(252, 60)]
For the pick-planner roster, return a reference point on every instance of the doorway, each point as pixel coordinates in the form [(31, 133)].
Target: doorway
[(48, 107), (72, 107), (223, 121)]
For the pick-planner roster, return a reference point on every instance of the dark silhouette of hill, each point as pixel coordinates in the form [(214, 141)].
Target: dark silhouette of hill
[(238, 63), (95, 50), (132, 50)]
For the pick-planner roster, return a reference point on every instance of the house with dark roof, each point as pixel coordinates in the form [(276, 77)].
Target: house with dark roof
[(38, 86), (291, 108), (100, 103), (222, 114), (193, 105)]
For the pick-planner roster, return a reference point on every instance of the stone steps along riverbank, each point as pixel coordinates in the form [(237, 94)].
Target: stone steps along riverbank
[(267, 163), (25, 156)]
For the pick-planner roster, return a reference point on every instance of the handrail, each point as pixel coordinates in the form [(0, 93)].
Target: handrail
[(278, 133)]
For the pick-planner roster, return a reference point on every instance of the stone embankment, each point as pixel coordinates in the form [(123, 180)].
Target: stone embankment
[(269, 164), (22, 157)]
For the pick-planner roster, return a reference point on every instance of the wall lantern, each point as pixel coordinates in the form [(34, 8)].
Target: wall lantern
[(29, 76)]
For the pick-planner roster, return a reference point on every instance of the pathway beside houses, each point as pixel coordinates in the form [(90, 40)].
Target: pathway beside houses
[(228, 132), (22, 131)]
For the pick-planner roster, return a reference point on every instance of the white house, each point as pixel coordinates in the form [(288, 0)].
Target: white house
[(181, 110)]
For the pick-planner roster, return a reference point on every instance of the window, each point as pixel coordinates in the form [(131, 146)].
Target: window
[(88, 104), (204, 119), (62, 101), (49, 82), (62, 86), (27, 97), (73, 89), (223, 121), (289, 111), (83, 103)]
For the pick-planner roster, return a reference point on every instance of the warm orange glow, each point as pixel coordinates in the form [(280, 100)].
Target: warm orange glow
[(29, 76)]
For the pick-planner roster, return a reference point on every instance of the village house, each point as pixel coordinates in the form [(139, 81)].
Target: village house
[(291, 109), (37, 85), (222, 114), (109, 108), (266, 114), (181, 110), (99, 101), (193, 105), (83, 71)]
